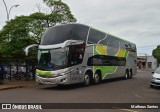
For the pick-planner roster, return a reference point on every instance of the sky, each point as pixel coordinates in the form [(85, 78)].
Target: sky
[(137, 21)]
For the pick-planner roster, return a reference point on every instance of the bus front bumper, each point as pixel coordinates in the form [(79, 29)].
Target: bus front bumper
[(58, 80)]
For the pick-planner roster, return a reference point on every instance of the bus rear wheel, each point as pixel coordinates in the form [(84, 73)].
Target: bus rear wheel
[(130, 74), (87, 80), (97, 78), (126, 75)]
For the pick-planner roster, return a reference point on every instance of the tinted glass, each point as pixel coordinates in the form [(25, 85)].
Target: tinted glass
[(103, 60), (105, 41), (59, 34), (52, 59), (80, 32), (56, 35), (113, 42), (95, 36)]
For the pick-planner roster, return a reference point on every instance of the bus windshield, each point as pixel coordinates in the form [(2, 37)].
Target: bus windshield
[(52, 59), (55, 59)]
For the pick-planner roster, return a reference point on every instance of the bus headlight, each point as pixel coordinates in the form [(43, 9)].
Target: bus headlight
[(37, 74)]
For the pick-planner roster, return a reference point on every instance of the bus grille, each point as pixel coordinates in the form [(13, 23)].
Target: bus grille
[(45, 76)]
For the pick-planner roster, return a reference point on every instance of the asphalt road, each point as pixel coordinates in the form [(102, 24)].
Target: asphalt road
[(135, 90)]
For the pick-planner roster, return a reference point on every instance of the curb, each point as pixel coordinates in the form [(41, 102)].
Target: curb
[(13, 87)]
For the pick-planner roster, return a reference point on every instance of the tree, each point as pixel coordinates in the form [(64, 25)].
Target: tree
[(59, 7), (156, 53), (15, 36), (25, 30)]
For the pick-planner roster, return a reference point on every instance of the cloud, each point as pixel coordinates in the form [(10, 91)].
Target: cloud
[(134, 20)]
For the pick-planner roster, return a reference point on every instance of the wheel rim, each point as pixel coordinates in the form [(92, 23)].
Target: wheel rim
[(126, 76), (86, 79), (96, 78)]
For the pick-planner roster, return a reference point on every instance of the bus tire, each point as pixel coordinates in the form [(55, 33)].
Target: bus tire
[(130, 74), (97, 78), (87, 80), (126, 75)]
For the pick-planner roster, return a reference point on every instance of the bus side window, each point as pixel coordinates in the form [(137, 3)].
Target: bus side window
[(122, 45), (95, 36), (76, 54), (113, 42)]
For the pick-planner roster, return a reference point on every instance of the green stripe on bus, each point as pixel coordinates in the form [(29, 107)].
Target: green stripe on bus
[(48, 73)]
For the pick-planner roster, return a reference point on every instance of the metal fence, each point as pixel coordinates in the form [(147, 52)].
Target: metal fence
[(19, 69)]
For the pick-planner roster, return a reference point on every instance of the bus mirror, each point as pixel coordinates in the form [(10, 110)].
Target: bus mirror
[(26, 50)]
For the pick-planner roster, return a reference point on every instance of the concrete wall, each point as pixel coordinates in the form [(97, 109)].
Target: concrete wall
[(146, 62), (151, 60)]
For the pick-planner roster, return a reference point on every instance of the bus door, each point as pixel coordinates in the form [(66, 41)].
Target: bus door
[(76, 53), (75, 75)]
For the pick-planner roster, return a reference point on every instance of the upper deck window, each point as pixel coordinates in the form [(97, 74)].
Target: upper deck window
[(95, 36), (59, 34)]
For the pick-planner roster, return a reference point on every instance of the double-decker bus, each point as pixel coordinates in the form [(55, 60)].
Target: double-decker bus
[(77, 53)]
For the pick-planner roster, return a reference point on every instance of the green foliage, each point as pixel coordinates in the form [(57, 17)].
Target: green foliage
[(25, 30), (59, 7), (156, 53), (15, 36)]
